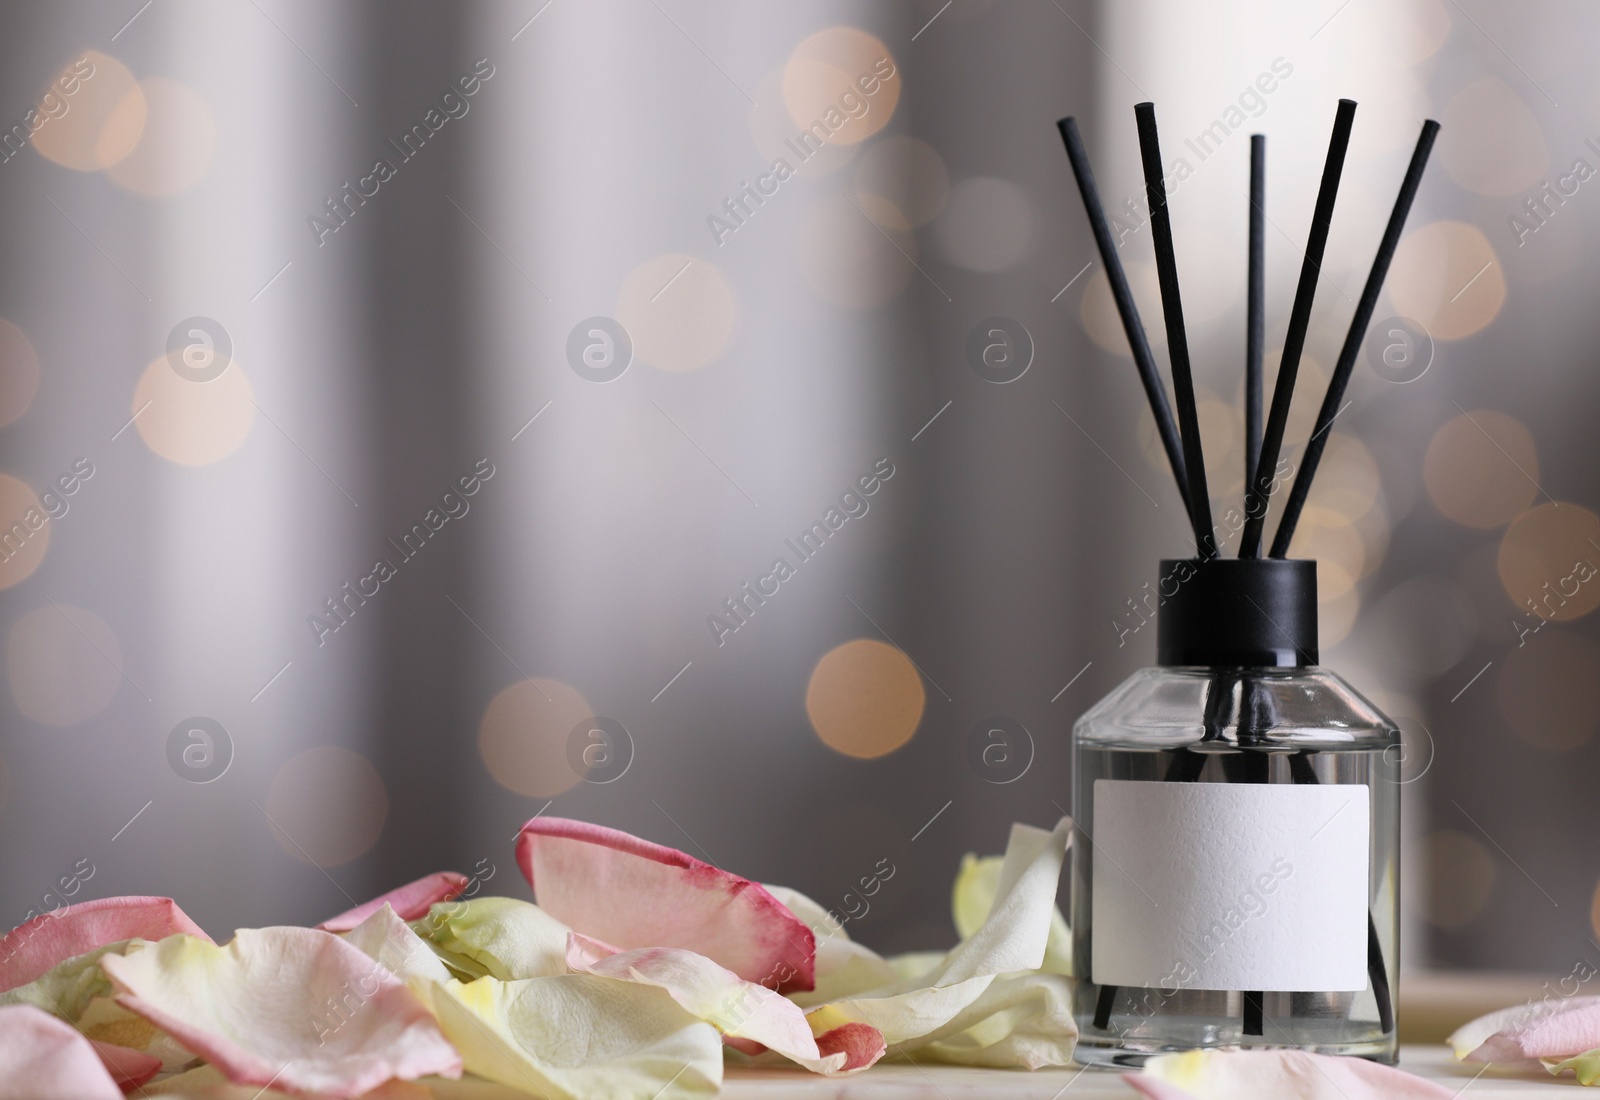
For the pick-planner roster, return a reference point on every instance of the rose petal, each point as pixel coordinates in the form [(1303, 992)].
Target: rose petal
[(31, 949), (129, 1068), (576, 1037), (410, 902), (843, 966), (632, 893), (750, 1016), (1585, 1066), (68, 988), (502, 938), (973, 897), (42, 1058), (77, 991), (390, 942), (1539, 1030), (1277, 1075), (1021, 1020), (293, 1007)]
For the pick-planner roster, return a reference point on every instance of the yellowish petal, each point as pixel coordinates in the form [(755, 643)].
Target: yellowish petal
[(577, 1037)]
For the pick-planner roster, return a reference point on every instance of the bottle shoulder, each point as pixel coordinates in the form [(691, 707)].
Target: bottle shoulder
[(1300, 707)]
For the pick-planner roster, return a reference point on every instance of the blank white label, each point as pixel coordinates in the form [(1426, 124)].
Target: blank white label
[(1247, 886)]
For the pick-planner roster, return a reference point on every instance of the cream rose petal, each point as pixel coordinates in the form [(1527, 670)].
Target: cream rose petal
[(390, 942), (32, 949), (294, 1007), (1019, 1021), (410, 902), (579, 1037), (1585, 1066), (1540, 1030), (751, 1016), (938, 1004), (973, 896), (1277, 1075), (502, 938), (632, 893), (42, 1058)]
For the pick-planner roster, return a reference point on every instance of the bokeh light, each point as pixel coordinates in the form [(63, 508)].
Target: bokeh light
[(679, 311), (1548, 559), (1482, 469), (1336, 616), (178, 143), (193, 423), (19, 372), (1491, 142), (1332, 539), (865, 698), (842, 85), (901, 182), (1461, 874), (1549, 691), (327, 806), (523, 736), (852, 262), (93, 111), (1447, 277), (63, 664), (988, 225), (778, 138), (1348, 480), (24, 531), (1428, 22)]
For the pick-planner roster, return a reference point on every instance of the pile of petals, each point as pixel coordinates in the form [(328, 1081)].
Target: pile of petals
[(1560, 1034), (1277, 1075), (638, 973)]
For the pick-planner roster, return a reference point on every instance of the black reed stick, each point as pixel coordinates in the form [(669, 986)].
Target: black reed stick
[(1177, 337), (1255, 308), (1258, 491), (1138, 342), (1256, 717), (1352, 341)]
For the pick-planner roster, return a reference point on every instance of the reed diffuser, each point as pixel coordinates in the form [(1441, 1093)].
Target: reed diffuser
[(1236, 883)]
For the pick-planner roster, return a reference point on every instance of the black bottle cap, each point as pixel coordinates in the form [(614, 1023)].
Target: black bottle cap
[(1237, 613)]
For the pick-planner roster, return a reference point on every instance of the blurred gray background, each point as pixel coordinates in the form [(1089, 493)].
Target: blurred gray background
[(242, 360)]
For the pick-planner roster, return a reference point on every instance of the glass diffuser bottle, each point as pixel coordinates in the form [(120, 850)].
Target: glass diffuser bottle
[(1237, 880)]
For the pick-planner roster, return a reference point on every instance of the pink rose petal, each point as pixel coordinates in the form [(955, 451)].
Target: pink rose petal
[(129, 1068), (1541, 1030), (750, 1017), (1153, 1089), (296, 1008), (31, 949), (409, 902), (1277, 1075), (632, 893), (861, 1043), (43, 1058)]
